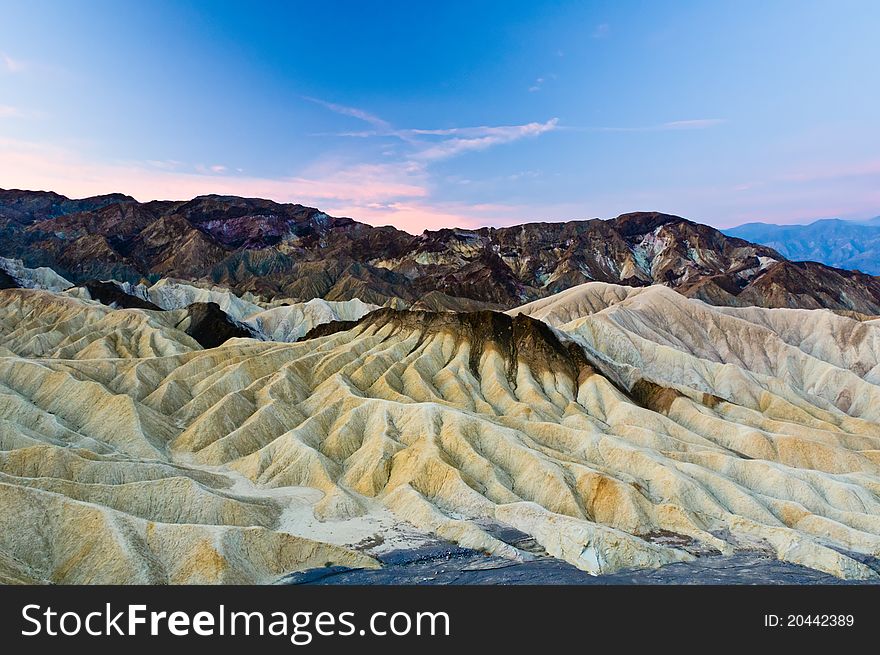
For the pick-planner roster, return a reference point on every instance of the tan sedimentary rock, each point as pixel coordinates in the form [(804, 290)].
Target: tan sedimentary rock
[(630, 412), (49, 537), (45, 324), (281, 320)]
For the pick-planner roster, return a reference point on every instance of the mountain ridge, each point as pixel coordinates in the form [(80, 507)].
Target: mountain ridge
[(848, 244), (290, 250)]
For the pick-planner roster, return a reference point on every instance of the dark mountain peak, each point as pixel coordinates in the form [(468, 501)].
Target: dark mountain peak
[(635, 223), (25, 195), (13, 195), (28, 206), (107, 198), (212, 206), (25, 207)]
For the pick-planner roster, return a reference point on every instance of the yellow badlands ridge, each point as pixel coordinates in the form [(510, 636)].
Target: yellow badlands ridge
[(128, 454)]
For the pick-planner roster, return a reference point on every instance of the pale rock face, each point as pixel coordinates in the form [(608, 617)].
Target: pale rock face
[(33, 278), (636, 412), (40, 324), (290, 322), (576, 302), (169, 294), (276, 321)]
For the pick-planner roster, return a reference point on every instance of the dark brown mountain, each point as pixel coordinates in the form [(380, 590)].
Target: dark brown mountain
[(300, 252), (27, 206)]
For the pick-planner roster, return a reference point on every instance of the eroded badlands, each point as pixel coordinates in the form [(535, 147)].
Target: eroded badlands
[(599, 421)]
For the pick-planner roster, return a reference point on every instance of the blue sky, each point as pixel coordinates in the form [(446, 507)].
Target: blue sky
[(432, 114)]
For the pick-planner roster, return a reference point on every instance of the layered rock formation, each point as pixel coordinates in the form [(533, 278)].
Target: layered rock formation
[(602, 421), (16, 275), (300, 253)]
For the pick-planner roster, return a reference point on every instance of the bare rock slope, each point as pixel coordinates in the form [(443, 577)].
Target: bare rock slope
[(257, 246), (599, 421)]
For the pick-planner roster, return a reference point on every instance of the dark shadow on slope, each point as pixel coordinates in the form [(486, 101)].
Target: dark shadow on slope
[(109, 293), (211, 326)]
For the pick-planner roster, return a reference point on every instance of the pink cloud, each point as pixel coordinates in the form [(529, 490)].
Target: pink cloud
[(330, 184), (806, 193), (396, 193), (414, 216), (30, 165), (379, 194)]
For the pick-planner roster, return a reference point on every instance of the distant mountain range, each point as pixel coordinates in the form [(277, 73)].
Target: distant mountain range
[(853, 245), (298, 252)]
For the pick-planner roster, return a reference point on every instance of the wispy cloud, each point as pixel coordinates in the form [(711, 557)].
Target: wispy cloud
[(485, 130), (11, 111), (432, 144), (165, 164), (10, 64), (539, 82), (481, 138), (353, 112), (395, 193), (212, 169), (397, 188), (834, 171)]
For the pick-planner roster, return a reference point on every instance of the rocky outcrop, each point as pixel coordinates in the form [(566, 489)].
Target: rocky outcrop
[(17, 275), (249, 316), (516, 339)]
